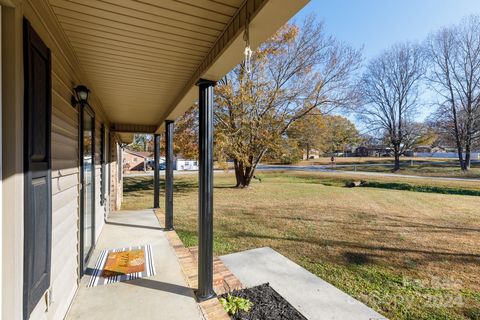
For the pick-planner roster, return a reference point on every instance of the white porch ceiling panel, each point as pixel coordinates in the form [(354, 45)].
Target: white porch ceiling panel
[(138, 55), (141, 57)]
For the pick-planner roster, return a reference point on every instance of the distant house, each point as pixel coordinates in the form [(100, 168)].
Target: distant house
[(422, 149), (182, 164), (136, 160), (440, 149), (475, 155), (178, 164), (446, 152), (312, 154), (372, 151)]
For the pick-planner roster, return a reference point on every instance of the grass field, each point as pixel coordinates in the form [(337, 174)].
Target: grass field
[(408, 255), (427, 170)]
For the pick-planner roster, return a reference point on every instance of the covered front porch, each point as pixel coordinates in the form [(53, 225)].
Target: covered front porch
[(149, 62), (79, 78), (157, 297)]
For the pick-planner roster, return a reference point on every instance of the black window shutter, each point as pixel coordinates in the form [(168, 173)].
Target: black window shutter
[(37, 169)]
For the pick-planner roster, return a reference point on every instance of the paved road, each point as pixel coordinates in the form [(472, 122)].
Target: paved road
[(327, 168), (162, 173)]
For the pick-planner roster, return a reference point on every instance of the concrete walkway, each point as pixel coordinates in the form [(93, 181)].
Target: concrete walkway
[(315, 298), (163, 296)]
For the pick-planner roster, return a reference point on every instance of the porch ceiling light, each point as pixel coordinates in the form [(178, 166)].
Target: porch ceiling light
[(81, 93)]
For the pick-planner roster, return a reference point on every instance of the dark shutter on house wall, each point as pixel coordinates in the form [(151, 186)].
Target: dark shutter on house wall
[(37, 169)]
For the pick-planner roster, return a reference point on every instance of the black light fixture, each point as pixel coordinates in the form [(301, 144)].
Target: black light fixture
[(81, 95)]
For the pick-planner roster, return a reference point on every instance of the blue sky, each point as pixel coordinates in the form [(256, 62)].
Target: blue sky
[(378, 24)]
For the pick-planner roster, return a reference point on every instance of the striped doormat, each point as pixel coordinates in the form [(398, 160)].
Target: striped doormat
[(122, 264)]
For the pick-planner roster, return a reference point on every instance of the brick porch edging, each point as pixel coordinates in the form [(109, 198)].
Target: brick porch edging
[(223, 279)]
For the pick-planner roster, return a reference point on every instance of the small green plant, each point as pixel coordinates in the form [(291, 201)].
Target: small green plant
[(234, 304)]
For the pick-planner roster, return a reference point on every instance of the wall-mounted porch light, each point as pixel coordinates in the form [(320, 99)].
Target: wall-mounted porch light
[(81, 95)]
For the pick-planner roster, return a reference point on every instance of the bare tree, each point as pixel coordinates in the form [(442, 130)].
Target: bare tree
[(389, 88), (300, 69), (454, 56)]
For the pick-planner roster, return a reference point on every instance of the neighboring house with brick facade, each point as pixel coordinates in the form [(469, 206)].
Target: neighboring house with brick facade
[(136, 160)]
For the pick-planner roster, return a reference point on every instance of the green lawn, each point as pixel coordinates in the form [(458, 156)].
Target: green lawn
[(408, 255)]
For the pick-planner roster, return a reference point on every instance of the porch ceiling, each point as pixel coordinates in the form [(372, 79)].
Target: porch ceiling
[(142, 57)]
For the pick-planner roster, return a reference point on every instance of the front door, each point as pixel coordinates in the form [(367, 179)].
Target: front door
[(37, 169), (87, 162)]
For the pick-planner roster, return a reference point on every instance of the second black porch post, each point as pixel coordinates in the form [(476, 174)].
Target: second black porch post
[(156, 171), (169, 125), (205, 186)]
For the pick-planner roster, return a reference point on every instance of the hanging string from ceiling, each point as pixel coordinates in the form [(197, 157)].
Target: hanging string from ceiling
[(248, 51)]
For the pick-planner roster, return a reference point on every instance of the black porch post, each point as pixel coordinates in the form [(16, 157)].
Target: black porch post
[(169, 126), (205, 186), (156, 172)]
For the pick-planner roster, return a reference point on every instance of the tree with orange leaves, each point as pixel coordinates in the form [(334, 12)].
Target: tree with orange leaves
[(298, 71)]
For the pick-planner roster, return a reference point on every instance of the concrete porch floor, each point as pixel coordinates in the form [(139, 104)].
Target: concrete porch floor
[(163, 296)]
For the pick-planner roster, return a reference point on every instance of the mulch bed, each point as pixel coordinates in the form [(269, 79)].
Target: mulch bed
[(267, 305)]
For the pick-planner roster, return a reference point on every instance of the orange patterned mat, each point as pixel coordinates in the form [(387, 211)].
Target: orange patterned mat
[(124, 262)]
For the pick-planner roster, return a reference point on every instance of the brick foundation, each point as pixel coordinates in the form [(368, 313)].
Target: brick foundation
[(223, 280)]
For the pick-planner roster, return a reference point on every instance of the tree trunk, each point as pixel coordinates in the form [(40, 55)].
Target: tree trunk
[(467, 162), (308, 152), (239, 173), (457, 138), (243, 174), (396, 151), (460, 156), (468, 139)]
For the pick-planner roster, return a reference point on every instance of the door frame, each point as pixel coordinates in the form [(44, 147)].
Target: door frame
[(84, 262)]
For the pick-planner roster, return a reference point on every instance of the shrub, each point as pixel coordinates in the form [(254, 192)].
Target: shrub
[(234, 304)]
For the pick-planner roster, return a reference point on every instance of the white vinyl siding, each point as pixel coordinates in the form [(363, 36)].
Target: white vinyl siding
[(65, 166)]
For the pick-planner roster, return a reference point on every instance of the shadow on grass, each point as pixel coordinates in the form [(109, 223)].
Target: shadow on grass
[(138, 184), (402, 224), (356, 258), (184, 186), (421, 188), (227, 187), (365, 216), (433, 255)]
